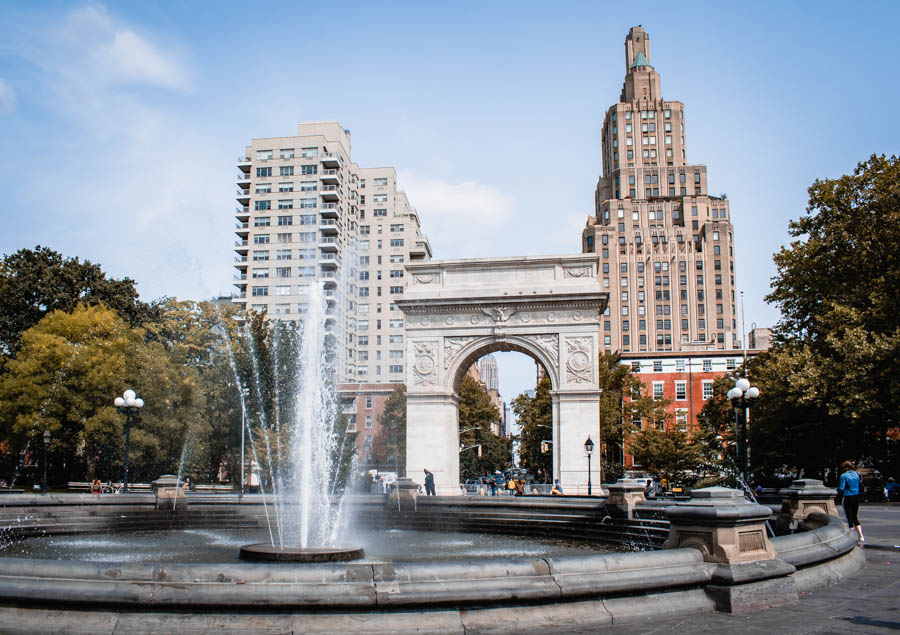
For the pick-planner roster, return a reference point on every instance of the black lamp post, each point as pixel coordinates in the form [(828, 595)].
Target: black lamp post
[(589, 449), (743, 396), (46, 446), (129, 405)]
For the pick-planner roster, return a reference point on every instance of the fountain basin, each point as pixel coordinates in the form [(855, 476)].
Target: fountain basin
[(262, 552)]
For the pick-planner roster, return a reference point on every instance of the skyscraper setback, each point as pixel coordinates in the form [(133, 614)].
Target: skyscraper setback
[(665, 243)]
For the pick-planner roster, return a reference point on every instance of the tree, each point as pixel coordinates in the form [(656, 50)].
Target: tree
[(716, 425), (535, 417), (476, 416), (623, 400), (836, 287), (389, 446), (669, 453), (36, 282)]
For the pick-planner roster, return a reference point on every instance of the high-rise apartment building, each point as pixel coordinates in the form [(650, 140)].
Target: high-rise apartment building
[(665, 243), (307, 213)]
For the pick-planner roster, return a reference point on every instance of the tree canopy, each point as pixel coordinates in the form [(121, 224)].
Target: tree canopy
[(36, 282), (389, 446), (827, 387), (476, 416), (535, 418)]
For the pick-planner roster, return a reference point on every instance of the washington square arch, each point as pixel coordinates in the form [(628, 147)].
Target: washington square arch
[(547, 307)]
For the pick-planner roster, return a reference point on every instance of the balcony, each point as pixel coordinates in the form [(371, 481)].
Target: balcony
[(331, 210), (328, 242), (243, 195), (329, 226), (420, 250), (241, 246), (242, 230), (244, 164), (243, 180), (330, 193), (240, 276), (241, 258), (244, 210), (331, 177), (330, 160)]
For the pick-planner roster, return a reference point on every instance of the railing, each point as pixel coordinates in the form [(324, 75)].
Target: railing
[(329, 206), (328, 240), (245, 209), (240, 243), (243, 176), (242, 225), (243, 159), (329, 188), (243, 191), (331, 172), (240, 258), (328, 222), (242, 276)]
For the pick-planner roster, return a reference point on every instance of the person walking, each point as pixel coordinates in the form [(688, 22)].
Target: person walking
[(429, 484), (849, 486)]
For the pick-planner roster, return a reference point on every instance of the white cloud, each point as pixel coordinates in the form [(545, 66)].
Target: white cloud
[(7, 98), (457, 216)]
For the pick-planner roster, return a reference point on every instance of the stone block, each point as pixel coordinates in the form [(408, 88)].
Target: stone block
[(721, 524), (403, 496), (169, 493), (623, 496), (802, 498), (755, 596)]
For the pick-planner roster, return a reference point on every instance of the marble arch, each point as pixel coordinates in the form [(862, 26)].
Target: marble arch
[(456, 311)]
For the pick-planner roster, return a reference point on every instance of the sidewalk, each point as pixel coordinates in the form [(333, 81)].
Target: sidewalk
[(869, 602)]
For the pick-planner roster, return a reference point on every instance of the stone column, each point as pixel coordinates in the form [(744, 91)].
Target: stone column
[(730, 532), (579, 412), (624, 494), (432, 440), (802, 497), (169, 493)]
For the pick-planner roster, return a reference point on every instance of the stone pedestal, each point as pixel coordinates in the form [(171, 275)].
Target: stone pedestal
[(730, 532), (624, 494), (403, 496), (169, 493), (800, 499)]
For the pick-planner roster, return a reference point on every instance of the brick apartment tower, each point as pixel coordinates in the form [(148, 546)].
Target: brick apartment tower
[(666, 244)]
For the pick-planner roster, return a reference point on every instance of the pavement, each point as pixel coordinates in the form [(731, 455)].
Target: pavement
[(868, 602)]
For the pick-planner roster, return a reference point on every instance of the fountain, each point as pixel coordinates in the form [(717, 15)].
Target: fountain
[(308, 494)]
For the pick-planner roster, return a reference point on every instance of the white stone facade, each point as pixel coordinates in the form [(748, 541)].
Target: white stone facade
[(456, 311)]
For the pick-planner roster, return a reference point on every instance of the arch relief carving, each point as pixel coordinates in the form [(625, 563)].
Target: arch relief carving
[(549, 343), (579, 369), (425, 365)]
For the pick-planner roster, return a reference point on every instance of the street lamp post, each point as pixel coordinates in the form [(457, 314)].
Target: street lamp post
[(743, 396), (589, 449), (129, 404), (46, 446), (245, 392)]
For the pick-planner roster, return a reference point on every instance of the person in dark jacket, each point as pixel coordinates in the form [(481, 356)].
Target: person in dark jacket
[(429, 483), (850, 486)]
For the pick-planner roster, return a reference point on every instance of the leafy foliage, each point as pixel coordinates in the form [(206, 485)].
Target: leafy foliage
[(36, 282), (476, 415), (827, 387), (535, 417), (669, 453), (389, 446)]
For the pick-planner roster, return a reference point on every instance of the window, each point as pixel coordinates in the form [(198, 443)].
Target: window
[(396, 324), (368, 421), (263, 188), (262, 221), (396, 273), (681, 420), (379, 212), (607, 340), (307, 203), (680, 390), (309, 153), (395, 368), (286, 170), (679, 365), (262, 205), (379, 198), (257, 292), (635, 367), (307, 170), (395, 258), (382, 181), (395, 339), (284, 238), (306, 272), (260, 273), (707, 365), (396, 242), (707, 389), (397, 228), (395, 290), (730, 363), (307, 186), (282, 309), (657, 366), (282, 272), (286, 204), (364, 292), (307, 237), (283, 290), (261, 239), (658, 389), (282, 254), (264, 155), (287, 153)]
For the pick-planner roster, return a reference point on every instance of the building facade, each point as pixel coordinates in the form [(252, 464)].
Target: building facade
[(666, 243), (307, 214)]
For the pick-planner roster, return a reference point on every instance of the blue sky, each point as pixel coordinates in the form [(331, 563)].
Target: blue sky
[(120, 123)]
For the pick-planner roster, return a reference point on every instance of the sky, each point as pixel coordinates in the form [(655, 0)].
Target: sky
[(122, 122)]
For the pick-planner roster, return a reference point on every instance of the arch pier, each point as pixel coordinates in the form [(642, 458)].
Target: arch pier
[(456, 311)]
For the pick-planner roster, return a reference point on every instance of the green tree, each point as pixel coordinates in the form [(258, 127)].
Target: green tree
[(623, 400), (476, 416), (836, 287), (389, 446), (669, 453), (36, 282), (535, 418), (716, 426)]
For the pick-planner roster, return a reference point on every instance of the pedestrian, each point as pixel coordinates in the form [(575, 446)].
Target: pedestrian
[(429, 484), (511, 486), (493, 485), (889, 488), (520, 487), (849, 486), (557, 488)]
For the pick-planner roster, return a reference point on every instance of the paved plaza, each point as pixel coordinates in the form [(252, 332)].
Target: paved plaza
[(869, 602)]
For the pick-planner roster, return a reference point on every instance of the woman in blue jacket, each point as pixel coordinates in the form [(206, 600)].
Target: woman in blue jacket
[(850, 487)]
